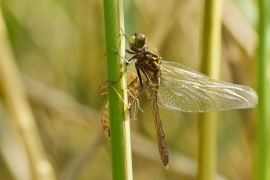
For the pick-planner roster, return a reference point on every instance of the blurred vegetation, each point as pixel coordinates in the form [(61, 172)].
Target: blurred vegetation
[(59, 47), (210, 56)]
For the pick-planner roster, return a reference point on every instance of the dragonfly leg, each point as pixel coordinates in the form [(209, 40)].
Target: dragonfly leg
[(139, 94), (130, 52), (138, 68), (125, 35), (128, 61), (105, 85), (139, 74)]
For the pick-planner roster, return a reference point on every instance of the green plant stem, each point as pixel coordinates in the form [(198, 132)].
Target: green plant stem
[(210, 59), (119, 116), (262, 168)]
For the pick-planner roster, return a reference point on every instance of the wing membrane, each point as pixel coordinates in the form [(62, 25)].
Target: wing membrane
[(187, 90)]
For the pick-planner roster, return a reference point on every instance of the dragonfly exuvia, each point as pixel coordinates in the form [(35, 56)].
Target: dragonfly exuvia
[(133, 92)]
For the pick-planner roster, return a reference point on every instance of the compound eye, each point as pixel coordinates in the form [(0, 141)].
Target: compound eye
[(137, 41), (132, 39), (140, 40)]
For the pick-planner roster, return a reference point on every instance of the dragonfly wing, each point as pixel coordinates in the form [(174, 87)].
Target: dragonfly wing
[(187, 90)]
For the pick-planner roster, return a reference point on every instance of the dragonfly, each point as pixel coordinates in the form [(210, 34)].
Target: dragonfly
[(177, 87), (133, 92)]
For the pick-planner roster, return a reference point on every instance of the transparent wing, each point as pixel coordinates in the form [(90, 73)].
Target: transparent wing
[(187, 90)]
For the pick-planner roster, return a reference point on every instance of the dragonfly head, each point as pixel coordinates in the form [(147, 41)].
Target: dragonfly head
[(137, 41)]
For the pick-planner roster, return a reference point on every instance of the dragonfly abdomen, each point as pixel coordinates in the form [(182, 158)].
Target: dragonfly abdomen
[(162, 145)]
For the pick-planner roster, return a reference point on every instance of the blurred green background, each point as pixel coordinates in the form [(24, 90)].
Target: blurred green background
[(60, 49)]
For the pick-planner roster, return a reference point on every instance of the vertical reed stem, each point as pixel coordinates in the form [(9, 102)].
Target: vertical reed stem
[(119, 115), (263, 161), (210, 59)]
